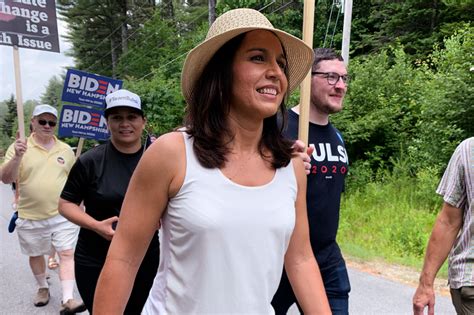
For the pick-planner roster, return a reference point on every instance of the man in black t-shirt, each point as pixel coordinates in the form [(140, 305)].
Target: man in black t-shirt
[(329, 165)]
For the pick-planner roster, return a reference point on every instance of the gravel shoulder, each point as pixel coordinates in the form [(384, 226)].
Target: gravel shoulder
[(399, 273)]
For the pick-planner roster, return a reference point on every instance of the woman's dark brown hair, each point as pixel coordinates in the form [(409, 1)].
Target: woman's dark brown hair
[(209, 107)]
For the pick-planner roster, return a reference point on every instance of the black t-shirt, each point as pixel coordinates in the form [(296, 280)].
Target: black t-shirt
[(100, 177), (329, 165)]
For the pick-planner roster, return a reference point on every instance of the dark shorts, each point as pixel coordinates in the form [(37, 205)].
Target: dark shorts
[(336, 283), (463, 300), (87, 277)]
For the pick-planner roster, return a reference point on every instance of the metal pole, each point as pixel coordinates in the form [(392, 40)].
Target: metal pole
[(346, 31)]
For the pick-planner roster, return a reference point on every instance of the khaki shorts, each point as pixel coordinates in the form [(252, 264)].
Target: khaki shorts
[(38, 237)]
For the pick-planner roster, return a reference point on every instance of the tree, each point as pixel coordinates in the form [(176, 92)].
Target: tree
[(397, 110), (53, 92), (153, 46), (162, 102), (100, 30), (447, 103), (400, 102), (416, 24), (212, 11), (382, 107), (9, 120)]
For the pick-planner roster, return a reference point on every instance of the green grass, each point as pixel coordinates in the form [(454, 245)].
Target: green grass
[(390, 218)]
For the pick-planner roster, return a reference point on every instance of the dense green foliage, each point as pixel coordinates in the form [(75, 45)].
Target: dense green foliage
[(416, 24), (162, 103), (150, 53), (401, 124), (395, 109)]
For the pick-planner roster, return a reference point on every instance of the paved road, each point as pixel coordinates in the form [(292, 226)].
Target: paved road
[(373, 295), (17, 285), (370, 294)]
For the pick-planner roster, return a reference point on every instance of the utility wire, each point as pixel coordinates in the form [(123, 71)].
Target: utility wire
[(133, 33), (164, 66), (120, 43), (114, 31), (110, 34), (327, 26), (265, 6), (183, 54), (335, 25), (164, 41), (281, 7)]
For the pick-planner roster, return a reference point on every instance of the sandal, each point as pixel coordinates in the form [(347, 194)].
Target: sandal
[(52, 263)]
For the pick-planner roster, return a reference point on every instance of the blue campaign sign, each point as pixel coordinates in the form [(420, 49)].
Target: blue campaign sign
[(82, 122), (88, 89)]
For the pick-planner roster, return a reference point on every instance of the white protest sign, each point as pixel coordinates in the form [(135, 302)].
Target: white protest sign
[(29, 24)]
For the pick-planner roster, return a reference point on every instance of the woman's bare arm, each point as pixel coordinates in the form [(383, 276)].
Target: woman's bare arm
[(158, 177), (300, 264)]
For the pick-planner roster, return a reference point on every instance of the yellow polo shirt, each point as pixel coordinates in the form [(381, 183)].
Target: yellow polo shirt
[(42, 176)]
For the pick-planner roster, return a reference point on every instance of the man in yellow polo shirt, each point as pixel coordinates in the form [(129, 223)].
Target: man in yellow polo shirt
[(41, 165)]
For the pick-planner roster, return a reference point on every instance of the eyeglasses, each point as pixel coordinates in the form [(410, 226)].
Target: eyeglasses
[(333, 77), (43, 122)]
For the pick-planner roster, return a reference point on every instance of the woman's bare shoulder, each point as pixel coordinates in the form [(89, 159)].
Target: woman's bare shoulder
[(171, 143), (166, 155), (166, 159)]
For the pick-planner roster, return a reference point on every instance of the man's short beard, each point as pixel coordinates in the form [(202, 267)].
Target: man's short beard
[(328, 109)]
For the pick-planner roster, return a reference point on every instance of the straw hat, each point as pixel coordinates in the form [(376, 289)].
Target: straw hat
[(231, 24)]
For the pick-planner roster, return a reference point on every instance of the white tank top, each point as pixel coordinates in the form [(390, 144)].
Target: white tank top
[(222, 244)]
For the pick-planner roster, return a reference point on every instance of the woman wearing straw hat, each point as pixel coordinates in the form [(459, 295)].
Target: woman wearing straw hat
[(230, 196)]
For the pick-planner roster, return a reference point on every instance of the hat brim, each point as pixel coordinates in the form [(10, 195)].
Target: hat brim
[(44, 112), (299, 57), (108, 110)]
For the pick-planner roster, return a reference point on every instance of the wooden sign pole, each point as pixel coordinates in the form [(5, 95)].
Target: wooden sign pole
[(305, 91), (79, 147), (19, 98)]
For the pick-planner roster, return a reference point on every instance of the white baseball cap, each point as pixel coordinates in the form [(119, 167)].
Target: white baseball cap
[(45, 108), (123, 98)]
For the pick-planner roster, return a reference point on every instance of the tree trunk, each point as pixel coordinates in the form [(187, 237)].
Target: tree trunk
[(168, 9), (212, 11), (124, 38), (124, 28), (113, 55), (434, 15)]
